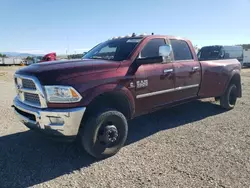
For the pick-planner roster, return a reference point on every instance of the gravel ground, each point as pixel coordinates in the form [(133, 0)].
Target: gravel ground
[(193, 145)]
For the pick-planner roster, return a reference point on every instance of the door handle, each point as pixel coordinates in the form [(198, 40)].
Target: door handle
[(166, 71), (195, 69)]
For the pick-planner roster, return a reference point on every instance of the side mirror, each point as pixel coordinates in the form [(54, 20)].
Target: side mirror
[(165, 52), (149, 60), (163, 57)]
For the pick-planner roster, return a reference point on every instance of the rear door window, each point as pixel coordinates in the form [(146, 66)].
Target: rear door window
[(181, 50)]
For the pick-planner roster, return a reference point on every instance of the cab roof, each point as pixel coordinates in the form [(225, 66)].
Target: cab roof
[(141, 36)]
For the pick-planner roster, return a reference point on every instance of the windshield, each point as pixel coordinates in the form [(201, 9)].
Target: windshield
[(209, 53), (116, 50)]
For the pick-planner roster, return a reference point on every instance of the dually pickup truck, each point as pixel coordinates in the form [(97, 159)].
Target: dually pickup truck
[(117, 80)]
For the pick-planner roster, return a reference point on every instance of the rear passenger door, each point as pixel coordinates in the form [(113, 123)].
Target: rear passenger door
[(187, 70)]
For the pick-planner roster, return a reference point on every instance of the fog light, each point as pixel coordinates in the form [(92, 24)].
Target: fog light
[(56, 120)]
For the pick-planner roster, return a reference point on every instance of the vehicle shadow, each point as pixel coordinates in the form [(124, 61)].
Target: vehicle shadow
[(148, 125), (27, 159)]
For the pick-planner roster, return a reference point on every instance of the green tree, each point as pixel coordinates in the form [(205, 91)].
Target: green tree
[(3, 55), (29, 58)]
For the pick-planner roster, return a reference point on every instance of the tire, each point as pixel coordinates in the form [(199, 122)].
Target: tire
[(95, 135), (228, 100)]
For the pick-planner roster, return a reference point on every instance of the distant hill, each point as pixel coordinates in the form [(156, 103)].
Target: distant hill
[(17, 54)]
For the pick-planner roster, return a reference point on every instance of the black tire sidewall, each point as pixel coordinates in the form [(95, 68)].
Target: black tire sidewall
[(233, 86), (225, 103), (91, 128)]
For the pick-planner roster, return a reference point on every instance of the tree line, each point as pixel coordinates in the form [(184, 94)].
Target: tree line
[(3, 55), (76, 56)]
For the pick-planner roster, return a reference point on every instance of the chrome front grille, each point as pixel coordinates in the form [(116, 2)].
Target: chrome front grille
[(29, 91)]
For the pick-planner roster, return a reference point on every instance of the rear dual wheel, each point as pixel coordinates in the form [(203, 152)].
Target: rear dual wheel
[(104, 133), (228, 100)]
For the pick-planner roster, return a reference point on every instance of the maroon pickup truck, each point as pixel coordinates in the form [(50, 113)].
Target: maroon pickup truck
[(117, 80)]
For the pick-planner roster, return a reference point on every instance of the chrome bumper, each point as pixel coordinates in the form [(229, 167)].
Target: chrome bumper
[(61, 122)]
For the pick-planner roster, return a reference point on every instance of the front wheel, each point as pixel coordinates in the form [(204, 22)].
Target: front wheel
[(228, 100), (104, 134)]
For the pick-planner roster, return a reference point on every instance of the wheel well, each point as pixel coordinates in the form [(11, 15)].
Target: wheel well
[(237, 81), (115, 100)]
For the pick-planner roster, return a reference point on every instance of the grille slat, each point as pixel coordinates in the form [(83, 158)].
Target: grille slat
[(32, 98), (28, 84)]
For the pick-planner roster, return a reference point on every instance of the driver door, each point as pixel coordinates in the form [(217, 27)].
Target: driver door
[(153, 81)]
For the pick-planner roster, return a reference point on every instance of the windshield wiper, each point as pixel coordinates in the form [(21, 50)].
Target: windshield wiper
[(100, 57), (96, 57)]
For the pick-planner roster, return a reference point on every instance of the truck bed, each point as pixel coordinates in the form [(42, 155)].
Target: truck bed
[(215, 75)]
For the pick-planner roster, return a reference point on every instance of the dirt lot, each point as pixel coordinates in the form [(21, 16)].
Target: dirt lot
[(193, 145)]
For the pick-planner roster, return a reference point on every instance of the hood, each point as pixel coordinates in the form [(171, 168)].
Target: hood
[(55, 71)]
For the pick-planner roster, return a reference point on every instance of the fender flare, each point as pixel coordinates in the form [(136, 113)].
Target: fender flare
[(234, 73), (92, 93)]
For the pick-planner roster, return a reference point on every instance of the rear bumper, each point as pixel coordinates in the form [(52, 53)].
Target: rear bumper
[(62, 123)]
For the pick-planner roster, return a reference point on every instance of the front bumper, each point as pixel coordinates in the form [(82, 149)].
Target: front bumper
[(56, 122)]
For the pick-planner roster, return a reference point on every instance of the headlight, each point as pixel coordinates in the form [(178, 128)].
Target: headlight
[(62, 94)]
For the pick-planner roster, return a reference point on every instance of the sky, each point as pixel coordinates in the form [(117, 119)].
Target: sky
[(74, 26)]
